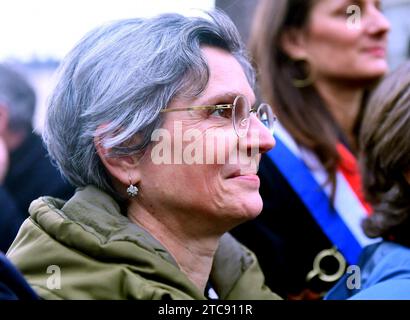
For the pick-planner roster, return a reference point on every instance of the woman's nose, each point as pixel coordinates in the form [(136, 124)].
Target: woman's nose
[(259, 136), (377, 23)]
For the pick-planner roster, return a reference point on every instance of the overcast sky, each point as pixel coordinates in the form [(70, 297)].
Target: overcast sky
[(50, 28)]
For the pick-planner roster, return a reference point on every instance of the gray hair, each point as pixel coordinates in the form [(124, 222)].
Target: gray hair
[(114, 83), (18, 97)]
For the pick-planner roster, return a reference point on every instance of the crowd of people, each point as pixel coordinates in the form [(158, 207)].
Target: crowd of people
[(310, 175)]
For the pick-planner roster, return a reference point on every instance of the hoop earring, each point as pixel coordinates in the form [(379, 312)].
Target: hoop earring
[(132, 190), (308, 81)]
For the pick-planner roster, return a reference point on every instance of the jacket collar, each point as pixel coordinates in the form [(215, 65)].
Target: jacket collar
[(91, 222)]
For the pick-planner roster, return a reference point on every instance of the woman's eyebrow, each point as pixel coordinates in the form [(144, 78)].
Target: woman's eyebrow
[(346, 3), (226, 97)]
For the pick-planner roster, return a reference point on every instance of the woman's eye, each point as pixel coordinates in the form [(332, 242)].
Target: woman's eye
[(225, 112)]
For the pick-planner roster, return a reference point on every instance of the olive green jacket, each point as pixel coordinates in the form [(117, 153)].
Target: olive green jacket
[(86, 249)]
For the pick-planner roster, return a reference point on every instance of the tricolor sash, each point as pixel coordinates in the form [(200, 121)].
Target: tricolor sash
[(341, 222)]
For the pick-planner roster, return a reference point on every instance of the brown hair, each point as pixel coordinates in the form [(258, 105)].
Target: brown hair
[(301, 110), (385, 156)]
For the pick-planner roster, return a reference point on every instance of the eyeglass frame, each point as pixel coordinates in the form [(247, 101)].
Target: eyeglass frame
[(231, 106)]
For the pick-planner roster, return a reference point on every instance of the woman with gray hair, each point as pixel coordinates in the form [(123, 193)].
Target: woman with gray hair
[(132, 123), (384, 268)]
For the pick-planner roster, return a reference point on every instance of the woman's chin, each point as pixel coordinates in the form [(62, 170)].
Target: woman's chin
[(250, 209), (373, 70)]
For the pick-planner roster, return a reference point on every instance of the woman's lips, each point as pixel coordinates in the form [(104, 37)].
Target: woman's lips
[(379, 52), (247, 178), (241, 172)]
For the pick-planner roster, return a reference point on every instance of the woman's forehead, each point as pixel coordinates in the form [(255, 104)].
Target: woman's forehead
[(227, 78)]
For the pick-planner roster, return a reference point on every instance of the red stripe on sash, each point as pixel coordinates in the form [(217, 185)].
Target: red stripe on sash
[(349, 167)]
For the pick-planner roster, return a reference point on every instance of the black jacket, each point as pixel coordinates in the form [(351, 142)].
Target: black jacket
[(12, 284), (30, 176)]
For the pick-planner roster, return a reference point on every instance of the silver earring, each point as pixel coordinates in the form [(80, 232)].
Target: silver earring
[(132, 190)]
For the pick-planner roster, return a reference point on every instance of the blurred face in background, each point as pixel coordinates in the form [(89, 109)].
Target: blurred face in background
[(343, 45)]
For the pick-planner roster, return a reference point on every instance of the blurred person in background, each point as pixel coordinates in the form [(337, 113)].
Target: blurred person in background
[(135, 228), (398, 13), (25, 169), (384, 268), (316, 64)]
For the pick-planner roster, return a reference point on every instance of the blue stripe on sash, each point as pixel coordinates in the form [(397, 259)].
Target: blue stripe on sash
[(315, 199)]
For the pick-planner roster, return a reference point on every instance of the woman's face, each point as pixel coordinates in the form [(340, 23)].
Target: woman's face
[(338, 45), (224, 191)]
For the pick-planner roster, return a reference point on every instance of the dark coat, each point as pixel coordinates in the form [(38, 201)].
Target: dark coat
[(31, 175), (12, 284)]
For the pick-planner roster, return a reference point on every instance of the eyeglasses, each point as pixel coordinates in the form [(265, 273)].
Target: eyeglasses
[(239, 111)]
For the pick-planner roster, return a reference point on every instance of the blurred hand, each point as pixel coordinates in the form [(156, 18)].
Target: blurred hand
[(4, 160)]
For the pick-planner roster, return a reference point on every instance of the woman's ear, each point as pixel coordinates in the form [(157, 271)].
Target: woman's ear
[(121, 168), (292, 42)]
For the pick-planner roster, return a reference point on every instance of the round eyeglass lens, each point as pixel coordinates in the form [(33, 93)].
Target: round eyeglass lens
[(266, 116), (241, 116)]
